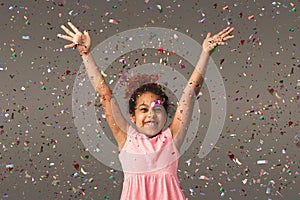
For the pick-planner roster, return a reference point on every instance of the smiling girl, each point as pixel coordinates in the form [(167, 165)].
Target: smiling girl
[(148, 153)]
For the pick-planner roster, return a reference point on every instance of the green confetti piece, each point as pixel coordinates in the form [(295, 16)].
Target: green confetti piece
[(55, 182), (288, 171), (293, 9), (14, 54), (43, 88), (98, 136), (261, 118), (41, 108), (27, 22), (221, 189), (279, 111), (213, 49), (107, 197), (115, 6), (292, 30), (12, 75), (111, 178)]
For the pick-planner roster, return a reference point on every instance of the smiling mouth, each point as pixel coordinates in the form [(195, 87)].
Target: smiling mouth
[(149, 123)]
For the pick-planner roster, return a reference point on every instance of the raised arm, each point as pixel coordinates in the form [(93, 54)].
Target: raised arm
[(82, 43), (185, 107)]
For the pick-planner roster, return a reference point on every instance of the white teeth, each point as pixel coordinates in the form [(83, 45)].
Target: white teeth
[(149, 124)]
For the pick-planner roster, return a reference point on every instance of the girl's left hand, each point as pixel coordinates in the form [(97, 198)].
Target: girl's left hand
[(217, 40)]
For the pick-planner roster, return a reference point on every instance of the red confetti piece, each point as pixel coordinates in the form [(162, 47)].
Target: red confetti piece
[(160, 50), (231, 156), (221, 61), (76, 166)]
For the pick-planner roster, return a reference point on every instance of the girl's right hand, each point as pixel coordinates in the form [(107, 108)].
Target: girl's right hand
[(80, 41), (219, 39)]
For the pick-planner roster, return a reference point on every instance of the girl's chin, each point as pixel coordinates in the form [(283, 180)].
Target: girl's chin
[(149, 133)]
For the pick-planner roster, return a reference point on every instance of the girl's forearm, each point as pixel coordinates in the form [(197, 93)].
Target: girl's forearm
[(202, 62), (197, 77), (93, 71)]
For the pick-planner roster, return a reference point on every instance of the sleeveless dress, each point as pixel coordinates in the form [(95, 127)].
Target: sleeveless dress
[(150, 167)]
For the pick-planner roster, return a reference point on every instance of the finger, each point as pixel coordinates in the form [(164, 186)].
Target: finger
[(86, 33), (67, 30), (227, 32), (87, 36), (228, 37), (68, 46), (65, 37), (208, 35), (223, 31), (220, 43), (73, 27)]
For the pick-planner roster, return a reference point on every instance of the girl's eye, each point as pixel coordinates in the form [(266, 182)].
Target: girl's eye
[(144, 109)]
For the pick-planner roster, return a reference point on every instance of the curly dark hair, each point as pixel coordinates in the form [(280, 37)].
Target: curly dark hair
[(154, 88)]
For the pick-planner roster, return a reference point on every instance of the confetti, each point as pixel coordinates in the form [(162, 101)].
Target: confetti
[(257, 151), (113, 21), (262, 162), (251, 17), (159, 8)]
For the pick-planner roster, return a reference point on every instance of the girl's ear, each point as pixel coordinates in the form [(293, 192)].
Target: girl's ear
[(132, 118)]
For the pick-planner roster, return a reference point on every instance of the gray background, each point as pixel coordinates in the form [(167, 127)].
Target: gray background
[(45, 149)]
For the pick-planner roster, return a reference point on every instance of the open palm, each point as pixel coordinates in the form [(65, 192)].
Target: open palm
[(79, 41), (219, 39)]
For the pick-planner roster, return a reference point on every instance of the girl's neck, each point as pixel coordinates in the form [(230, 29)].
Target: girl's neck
[(152, 136)]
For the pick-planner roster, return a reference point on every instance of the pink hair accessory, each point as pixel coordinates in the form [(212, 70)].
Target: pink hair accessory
[(158, 102)]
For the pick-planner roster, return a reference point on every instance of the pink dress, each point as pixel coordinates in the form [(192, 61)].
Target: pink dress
[(150, 167)]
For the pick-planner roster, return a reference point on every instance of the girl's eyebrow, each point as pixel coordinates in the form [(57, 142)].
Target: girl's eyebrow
[(143, 104)]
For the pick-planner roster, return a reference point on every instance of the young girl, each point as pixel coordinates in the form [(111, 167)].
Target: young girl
[(148, 152)]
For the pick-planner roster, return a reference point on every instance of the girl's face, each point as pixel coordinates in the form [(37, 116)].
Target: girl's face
[(150, 116)]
